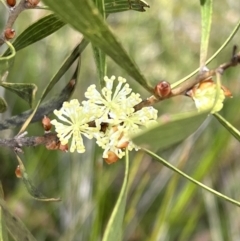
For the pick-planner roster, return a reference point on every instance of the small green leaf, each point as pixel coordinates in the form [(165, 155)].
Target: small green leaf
[(234, 131), (166, 133), (3, 227), (3, 105), (26, 91), (206, 18), (14, 225), (175, 169), (7, 60), (113, 230), (84, 17), (32, 190), (37, 31)]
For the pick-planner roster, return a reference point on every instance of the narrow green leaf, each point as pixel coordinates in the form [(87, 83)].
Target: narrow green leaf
[(37, 31), (7, 60), (206, 19), (32, 190), (113, 230), (3, 105), (84, 17), (51, 23), (14, 225), (235, 30), (99, 55), (44, 109), (65, 66), (3, 227), (26, 91), (166, 133), (170, 166), (234, 131)]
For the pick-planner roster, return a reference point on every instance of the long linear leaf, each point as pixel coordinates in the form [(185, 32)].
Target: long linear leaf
[(3, 227), (84, 17), (167, 164), (235, 30), (206, 19), (32, 190), (234, 131), (99, 55), (14, 225), (37, 31), (56, 78), (113, 230), (44, 109), (164, 134)]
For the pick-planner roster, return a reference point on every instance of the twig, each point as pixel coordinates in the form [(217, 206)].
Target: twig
[(13, 15), (189, 84), (50, 140)]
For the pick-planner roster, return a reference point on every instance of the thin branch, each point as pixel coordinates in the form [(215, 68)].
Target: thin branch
[(13, 15), (189, 84)]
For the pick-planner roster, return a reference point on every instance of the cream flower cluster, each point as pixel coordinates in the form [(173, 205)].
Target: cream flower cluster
[(108, 116)]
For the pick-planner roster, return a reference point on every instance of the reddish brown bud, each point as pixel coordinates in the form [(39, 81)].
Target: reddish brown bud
[(9, 33), (11, 3), (226, 91), (162, 89), (52, 145), (112, 157), (18, 172), (122, 144), (46, 123), (32, 3), (63, 147)]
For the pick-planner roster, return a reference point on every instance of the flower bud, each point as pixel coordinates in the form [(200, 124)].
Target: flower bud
[(226, 91), (18, 172), (63, 147), (11, 3), (122, 144), (112, 157), (162, 89), (32, 3), (46, 123), (9, 33), (52, 145)]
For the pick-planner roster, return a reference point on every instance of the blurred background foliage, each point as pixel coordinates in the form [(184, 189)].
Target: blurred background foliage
[(164, 41)]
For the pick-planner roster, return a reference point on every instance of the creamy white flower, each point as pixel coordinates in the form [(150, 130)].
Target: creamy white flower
[(74, 123), (120, 115), (112, 108), (114, 104)]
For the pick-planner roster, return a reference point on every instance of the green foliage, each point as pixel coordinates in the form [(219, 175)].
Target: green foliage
[(94, 201), (114, 230), (3, 105), (181, 126)]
